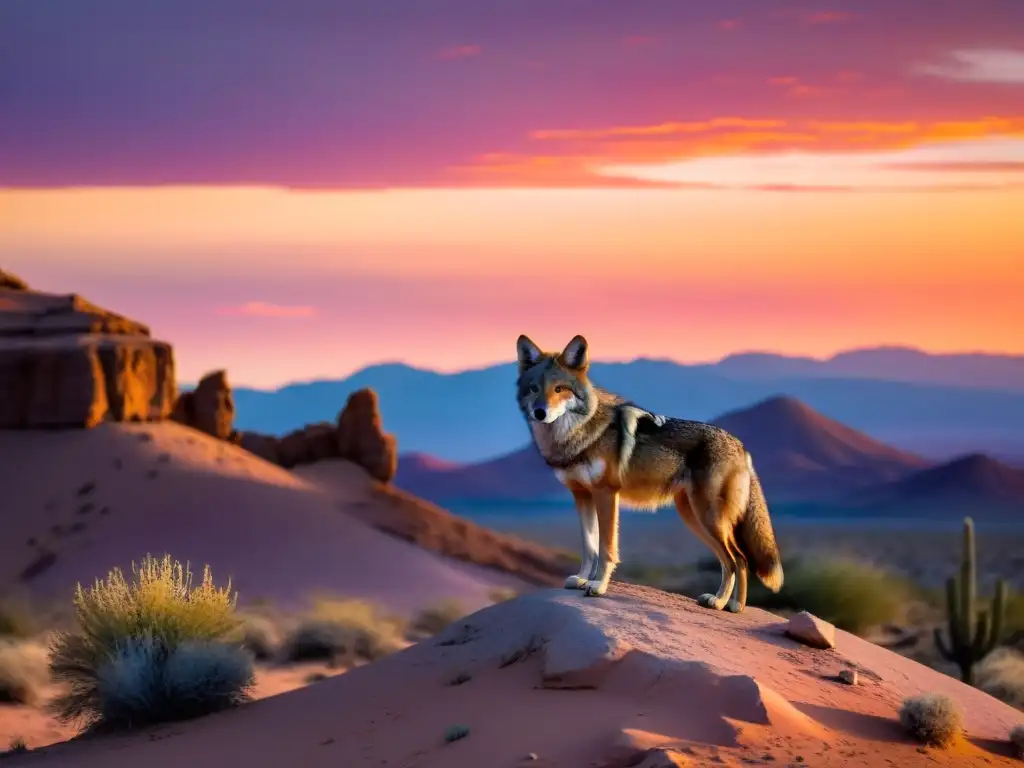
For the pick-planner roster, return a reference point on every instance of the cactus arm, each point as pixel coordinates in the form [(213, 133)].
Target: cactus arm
[(944, 649)]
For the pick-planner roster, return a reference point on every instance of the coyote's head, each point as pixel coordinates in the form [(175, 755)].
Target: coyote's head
[(553, 384)]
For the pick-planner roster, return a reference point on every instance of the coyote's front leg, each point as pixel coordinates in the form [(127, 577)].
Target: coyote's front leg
[(606, 503), (588, 533)]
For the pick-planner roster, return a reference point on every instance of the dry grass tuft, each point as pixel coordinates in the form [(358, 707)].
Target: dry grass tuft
[(342, 631), (152, 649), (1001, 674), (932, 719), (23, 671)]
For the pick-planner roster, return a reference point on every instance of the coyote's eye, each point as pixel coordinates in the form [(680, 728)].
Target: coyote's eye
[(534, 389), (558, 389)]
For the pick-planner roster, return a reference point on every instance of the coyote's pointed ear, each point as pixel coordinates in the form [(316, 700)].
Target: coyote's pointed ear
[(575, 356), (528, 353)]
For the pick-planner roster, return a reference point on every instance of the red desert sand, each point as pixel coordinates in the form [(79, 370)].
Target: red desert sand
[(555, 679), (77, 503)]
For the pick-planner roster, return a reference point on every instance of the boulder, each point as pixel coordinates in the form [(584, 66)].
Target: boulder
[(810, 630), (66, 363)]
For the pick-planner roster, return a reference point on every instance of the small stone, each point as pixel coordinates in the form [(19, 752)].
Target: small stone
[(848, 676), (532, 756), (812, 631)]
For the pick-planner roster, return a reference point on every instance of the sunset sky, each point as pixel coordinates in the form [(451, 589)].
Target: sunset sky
[(294, 190)]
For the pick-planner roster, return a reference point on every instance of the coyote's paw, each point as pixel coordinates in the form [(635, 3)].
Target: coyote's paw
[(575, 582), (733, 606), (659, 420), (594, 589), (708, 600)]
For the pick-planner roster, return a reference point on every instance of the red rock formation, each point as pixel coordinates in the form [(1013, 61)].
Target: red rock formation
[(361, 436), (358, 435), (66, 363), (210, 408), (8, 280)]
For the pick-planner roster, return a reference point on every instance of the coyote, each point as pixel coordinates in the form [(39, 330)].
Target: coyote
[(606, 450)]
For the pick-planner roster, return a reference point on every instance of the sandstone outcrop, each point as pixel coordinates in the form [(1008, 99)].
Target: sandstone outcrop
[(357, 435), (210, 407), (66, 363)]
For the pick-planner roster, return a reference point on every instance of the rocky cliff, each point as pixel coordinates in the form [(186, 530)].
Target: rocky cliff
[(66, 363)]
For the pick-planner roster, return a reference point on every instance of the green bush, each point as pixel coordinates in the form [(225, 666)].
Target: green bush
[(338, 630), (23, 672), (852, 595), (145, 681), (149, 650)]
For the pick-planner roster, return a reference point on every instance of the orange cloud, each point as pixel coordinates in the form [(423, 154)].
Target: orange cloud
[(459, 52), (661, 129), (579, 154), (264, 309)]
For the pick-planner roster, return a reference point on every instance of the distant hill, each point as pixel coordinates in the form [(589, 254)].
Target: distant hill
[(799, 454), (971, 370), (975, 485), (521, 475), (472, 415)]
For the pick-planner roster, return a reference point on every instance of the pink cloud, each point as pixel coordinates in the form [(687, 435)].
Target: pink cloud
[(459, 52), (729, 25), (265, 309), (640, 41), (827, 17)]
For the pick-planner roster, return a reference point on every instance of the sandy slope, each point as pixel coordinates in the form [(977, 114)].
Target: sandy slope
[(644, 670), (76, 503)]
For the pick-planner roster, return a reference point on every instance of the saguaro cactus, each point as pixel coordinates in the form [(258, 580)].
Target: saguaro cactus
[(972, 633)]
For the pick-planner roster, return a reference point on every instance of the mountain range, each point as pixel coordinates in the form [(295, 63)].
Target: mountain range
[(939, 406), (805, 461)]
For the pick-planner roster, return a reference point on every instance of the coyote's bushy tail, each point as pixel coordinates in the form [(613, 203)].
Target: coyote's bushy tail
[(757, 538)]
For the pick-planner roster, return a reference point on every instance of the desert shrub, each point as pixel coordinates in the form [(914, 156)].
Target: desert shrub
[(23, 671), (1001, 674), (151, 649), (436, 617), (16, 619), (850, 594), (344, 629), (1013, 623), (931, 719), (1017, 739), (260, 637), (16, 746), (145, 681)]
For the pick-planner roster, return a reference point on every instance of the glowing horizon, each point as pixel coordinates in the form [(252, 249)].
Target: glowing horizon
[(672, 180)]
